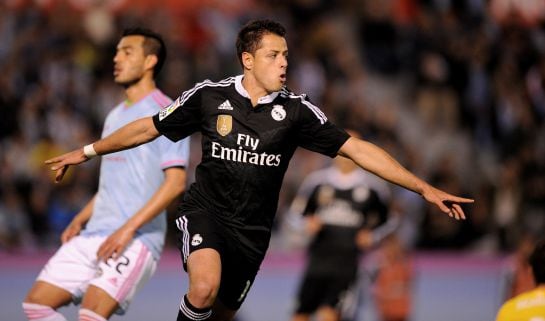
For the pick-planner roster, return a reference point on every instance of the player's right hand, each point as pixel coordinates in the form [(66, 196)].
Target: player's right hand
[(61, 163), (70, 231)]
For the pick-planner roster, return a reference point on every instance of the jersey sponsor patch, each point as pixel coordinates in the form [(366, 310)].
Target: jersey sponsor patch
[(168, 110), (224, 124)]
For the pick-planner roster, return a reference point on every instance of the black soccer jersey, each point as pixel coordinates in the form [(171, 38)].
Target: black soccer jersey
[(245, 151)]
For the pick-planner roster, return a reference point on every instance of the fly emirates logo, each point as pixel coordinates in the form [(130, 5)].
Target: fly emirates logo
[(242, 155)]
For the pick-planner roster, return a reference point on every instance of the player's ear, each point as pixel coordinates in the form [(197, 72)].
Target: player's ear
[(247, 60), (150, 61)]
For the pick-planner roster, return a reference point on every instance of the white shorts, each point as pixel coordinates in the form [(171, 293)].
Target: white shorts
[(75, 266)]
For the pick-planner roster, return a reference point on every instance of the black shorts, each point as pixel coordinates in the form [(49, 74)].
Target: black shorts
[(317, 291), (197, 230)]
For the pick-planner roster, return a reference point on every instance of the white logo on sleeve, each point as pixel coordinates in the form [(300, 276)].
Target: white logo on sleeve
[(278, 113), (196, 240), (168, 110), (226, 105)]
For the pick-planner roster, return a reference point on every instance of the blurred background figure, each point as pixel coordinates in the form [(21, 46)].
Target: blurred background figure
[(520, 277), (345, 213), (394, 281)]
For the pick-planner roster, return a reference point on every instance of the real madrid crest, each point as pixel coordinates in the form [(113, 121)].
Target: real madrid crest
[(278, 113), (224, 124)]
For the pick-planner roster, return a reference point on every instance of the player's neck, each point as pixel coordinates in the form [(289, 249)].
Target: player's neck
[(139, 90), (253, 88)]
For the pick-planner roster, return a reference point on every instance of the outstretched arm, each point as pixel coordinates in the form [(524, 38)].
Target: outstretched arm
[(131, 135), (377, 161)]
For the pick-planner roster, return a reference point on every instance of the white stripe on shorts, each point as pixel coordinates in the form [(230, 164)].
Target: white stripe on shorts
[(182, 226)]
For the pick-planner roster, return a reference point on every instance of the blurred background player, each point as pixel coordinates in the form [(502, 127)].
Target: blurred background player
[(343, 208), (530, 305), (112, 246)]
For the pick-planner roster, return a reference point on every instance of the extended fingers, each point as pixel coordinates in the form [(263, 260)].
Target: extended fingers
[(53, 160), (60, 173), (463, 200), (453, 209), (459, 211), (105, 252)]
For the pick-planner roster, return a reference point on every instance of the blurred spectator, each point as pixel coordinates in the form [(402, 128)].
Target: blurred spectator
[(507, 205), (519, 276), (14, 231), (393, 285)]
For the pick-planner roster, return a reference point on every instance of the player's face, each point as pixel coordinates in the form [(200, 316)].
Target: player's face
[(129, 60), (271, 62)]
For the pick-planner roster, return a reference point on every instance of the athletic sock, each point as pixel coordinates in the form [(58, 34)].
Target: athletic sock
[(88, 315), (38, 312), (188, 312)]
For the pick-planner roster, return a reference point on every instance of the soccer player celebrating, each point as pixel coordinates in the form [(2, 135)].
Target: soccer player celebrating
[(113, 244), (251, 125)]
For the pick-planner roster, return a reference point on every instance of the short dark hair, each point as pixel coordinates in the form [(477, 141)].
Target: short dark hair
[(153, 45), (537, 261), (250, 35)]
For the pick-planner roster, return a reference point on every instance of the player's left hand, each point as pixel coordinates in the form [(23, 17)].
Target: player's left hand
[(115, 244), (447, 203)]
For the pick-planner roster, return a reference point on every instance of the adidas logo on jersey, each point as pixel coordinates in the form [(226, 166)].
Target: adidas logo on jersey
[(226, 105)]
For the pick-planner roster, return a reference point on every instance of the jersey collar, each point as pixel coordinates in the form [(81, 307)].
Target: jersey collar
[(242, 91)]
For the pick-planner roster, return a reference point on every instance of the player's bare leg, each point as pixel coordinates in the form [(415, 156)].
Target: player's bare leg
[(43, 300), (204, 270), (48, 294), (99, 302)]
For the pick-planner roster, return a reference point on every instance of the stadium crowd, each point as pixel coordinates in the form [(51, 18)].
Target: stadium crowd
[(453, 89)]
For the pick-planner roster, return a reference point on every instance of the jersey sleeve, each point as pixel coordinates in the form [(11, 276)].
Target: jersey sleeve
[(173, 154), (181, 118), (316, 132)]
